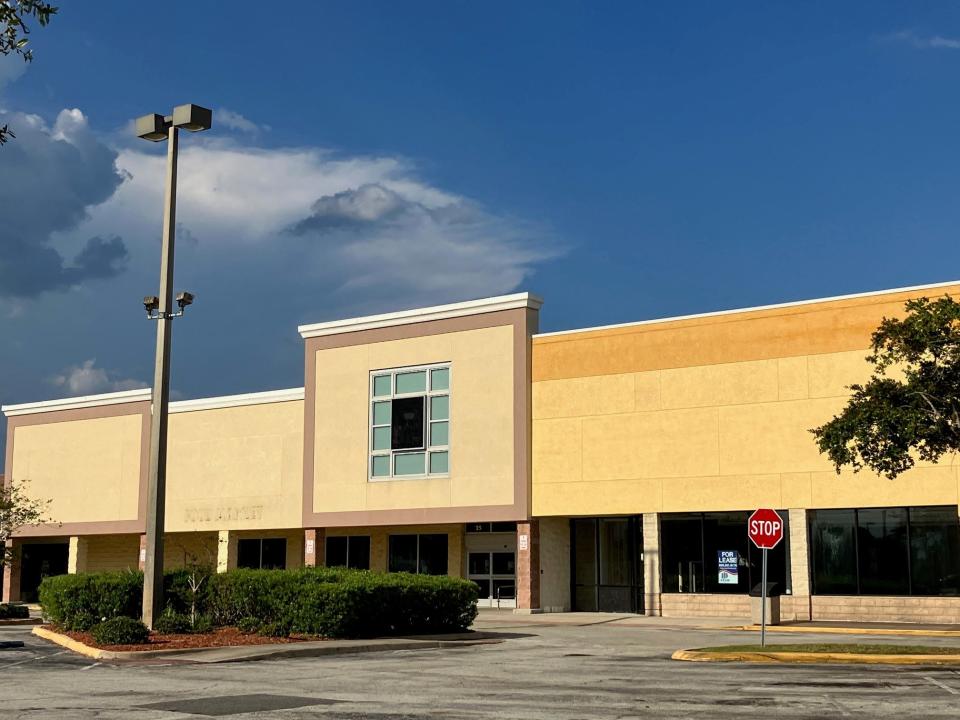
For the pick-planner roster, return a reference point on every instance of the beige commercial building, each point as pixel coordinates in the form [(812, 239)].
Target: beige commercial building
[(603, 469)]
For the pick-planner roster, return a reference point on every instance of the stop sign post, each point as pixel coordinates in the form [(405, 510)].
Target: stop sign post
[(765, 529)]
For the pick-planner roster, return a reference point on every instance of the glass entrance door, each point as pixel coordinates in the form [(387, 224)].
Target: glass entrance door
[(495, 574), (607, 564)]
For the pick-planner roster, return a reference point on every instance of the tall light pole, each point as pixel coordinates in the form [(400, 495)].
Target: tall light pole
[(157, 128)]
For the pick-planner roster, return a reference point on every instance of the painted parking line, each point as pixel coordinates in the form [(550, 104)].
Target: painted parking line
[(33, 659), (946, 687)]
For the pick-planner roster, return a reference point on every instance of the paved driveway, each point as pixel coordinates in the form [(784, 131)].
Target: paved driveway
[(539, 671)]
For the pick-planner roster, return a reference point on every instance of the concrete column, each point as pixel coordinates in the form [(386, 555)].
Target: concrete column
[(11, 573), (142, 554), (528, 567), (651, 565), (226, 551), (314, 547), (77, 555), (799, 564)]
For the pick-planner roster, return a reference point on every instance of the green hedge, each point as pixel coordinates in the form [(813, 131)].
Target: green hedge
[(78, 602), (332, 602), (9, 611), (121, 631), (343, 603)]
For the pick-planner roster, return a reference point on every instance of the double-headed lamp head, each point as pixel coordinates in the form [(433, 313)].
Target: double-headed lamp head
[(190, 117)]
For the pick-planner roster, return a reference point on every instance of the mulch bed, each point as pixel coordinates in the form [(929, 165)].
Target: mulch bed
[(221, 637)]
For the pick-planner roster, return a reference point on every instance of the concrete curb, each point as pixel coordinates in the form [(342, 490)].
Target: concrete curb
[(809, 657), (243, 653), (827, 630), (20, 621)]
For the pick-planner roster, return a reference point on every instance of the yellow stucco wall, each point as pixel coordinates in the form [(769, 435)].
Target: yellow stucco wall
[(111, 552), (238, 467), (481, 423), (90, 469), (716, 423)]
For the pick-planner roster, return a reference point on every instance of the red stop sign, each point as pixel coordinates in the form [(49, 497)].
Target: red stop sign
[(765, 528)]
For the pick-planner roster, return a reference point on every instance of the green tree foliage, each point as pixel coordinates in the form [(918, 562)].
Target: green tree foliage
[(14, 30), (17, 510), (910, 406)]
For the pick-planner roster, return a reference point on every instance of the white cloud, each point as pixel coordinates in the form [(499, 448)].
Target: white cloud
[(925, 42), (236, 121), (367, 228), (87, 379)]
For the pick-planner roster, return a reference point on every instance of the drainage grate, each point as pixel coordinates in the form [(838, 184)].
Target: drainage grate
[(236, 704)]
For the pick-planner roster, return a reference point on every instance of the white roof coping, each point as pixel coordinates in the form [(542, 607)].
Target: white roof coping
[(408, 317), (777, 306), (144, 394), (228, 401), (74, 403)]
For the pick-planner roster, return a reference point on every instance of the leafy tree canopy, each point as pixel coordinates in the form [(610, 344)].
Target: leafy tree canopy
[(14, 31), (17, 510), (910, 407)]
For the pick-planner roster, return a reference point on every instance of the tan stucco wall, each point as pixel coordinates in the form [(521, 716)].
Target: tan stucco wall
[(239, 467), (112, 552), (726, 427), (90, 469), (380, 538), (481, 423)]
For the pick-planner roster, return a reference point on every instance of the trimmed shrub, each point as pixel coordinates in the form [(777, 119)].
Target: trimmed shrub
[(343, 603), (334, 602), (78, 602), (121, 631), (202, 624), (249, 624), (171, 623), (9, 611)]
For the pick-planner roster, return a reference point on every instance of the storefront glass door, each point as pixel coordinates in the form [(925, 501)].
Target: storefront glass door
[(607, 564)]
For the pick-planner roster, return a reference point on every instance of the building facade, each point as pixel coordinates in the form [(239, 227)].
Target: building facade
[(604, 469)]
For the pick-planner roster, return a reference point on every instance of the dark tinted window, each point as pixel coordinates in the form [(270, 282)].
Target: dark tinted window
[(274, 554), (433, 554), (336, 552), (692, 545), (248, 553), (402, 553), (359, 556), (934, 551), (504, 563), (407, 423), (504, 527), (727, 533), (885, 551), (882, 551), (833, 551), (681, 544)]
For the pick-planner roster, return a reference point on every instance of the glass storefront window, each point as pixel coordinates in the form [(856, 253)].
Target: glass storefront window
[(885, 551), (711, 553), (424, 554), (934, 551)]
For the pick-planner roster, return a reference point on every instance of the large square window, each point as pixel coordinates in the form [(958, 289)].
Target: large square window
[(410, 422), (424, 554)]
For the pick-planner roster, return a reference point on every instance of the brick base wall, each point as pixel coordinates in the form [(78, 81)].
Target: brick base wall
[(704, 605), (886, 609)]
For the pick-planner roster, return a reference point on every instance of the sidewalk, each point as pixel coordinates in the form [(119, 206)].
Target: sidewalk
[(488, 618), (491, 618)]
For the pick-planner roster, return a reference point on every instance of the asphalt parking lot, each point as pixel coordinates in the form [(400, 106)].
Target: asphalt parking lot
[(538, 671)]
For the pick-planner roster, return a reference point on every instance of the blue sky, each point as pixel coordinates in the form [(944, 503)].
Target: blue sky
[(626, 161)]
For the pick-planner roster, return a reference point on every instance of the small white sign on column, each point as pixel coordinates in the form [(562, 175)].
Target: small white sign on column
[(523, 542)]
